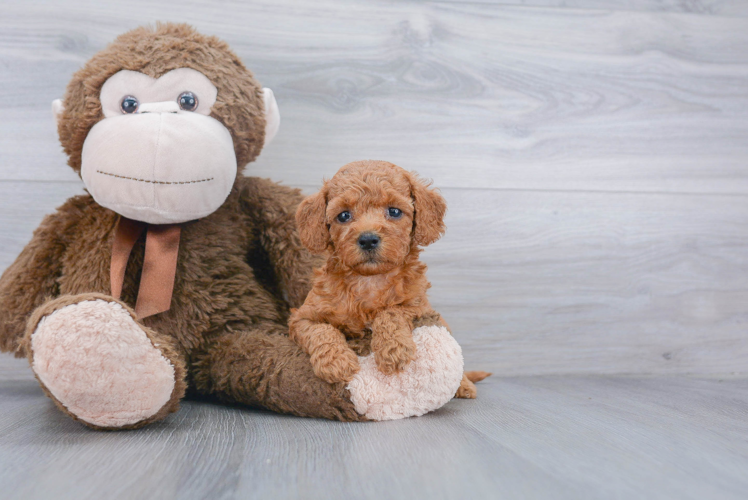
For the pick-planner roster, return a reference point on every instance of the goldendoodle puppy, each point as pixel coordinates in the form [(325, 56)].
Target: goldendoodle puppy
[(371, 218)]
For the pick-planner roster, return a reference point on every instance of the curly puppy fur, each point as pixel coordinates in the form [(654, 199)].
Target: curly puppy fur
[(373, 283)]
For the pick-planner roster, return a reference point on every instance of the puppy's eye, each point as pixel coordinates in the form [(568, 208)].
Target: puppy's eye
[(344, 216), (395, 213), (129, 104), (187, 101)]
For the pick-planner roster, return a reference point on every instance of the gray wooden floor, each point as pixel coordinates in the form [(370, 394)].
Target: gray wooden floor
[(527, 437), (594, 156)]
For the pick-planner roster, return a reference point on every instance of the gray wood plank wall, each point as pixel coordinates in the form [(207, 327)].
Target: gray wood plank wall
[(594, 155)]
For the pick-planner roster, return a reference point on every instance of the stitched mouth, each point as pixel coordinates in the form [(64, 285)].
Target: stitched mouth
[(153, 182)]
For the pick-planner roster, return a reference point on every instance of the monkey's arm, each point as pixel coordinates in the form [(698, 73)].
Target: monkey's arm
[(332, 360), (29, 282), (274, 209)]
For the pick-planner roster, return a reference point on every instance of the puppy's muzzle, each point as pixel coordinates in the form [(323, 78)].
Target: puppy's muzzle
[(368, 242)]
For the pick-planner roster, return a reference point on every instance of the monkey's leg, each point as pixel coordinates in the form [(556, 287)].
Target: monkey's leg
[(100, 365), (263, 367)]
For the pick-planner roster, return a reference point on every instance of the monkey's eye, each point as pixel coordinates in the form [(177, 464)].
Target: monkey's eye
[(344, 216), (395, 213), (129, 104), (187, 101)]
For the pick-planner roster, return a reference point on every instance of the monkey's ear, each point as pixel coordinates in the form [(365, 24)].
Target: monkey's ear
[(430, 208), (57, 109), (272, 115), (310, 221)]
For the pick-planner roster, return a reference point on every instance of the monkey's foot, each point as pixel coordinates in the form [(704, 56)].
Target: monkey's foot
[(100, 365), (426, 384)]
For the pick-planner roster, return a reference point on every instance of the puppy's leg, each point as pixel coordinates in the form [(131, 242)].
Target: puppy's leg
[(332, 360), (467, 389), (392, 340)]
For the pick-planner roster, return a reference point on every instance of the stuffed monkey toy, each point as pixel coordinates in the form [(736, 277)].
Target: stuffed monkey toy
[(175, 271)]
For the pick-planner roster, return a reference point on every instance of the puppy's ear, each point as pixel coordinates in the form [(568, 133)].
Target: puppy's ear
[(310, 221), (430, 208)]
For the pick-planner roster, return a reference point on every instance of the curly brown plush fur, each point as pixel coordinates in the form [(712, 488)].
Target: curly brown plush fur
[(239, 269), (373, 281)]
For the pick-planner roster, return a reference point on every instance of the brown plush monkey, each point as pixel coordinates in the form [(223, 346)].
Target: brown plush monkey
[(176, 269)]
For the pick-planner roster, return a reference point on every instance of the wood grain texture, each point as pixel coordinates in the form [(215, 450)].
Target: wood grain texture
[(593, 160), (730, 8), (473, 95), (535, 437), (536, 283)]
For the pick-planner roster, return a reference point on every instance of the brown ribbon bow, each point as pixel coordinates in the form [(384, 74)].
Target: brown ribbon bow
[(159, 263)]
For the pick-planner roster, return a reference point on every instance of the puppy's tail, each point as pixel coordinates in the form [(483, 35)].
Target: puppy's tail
[(477, 376)]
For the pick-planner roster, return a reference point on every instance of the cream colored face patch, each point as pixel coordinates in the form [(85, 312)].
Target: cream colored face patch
[(156, 159)]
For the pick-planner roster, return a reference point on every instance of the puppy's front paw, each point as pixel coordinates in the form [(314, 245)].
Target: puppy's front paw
[(392, 355), (467, 389), (334, 363)]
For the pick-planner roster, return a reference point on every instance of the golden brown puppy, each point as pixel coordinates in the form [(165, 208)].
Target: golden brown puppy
[(371, 218)]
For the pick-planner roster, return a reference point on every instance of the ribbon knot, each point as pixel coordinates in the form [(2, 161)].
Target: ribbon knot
[(159, 263)]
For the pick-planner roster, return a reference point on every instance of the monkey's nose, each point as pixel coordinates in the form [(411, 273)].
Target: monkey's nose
[(159, 107), (368, 241)]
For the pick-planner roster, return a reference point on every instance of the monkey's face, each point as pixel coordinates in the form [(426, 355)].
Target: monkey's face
[(158, 156), (161, 121)]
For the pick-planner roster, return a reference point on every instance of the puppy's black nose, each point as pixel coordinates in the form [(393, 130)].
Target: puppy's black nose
[(368, 241)]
